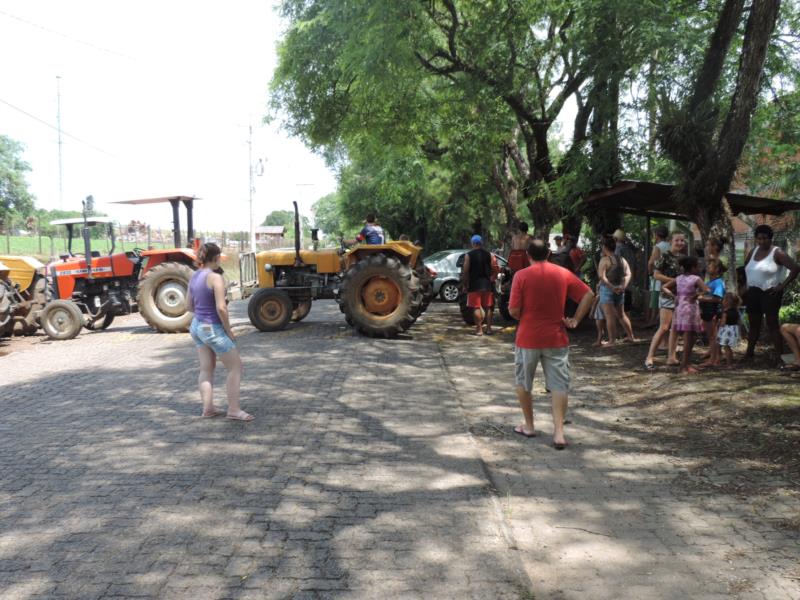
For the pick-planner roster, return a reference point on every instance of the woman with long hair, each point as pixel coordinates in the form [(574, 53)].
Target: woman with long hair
[(665, 270), (212, 334)]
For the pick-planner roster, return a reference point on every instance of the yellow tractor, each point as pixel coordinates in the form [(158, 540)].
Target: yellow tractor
[(381, 289), (28, 287)]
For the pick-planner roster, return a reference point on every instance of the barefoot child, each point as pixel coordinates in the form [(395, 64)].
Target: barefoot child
[(687, 320), (710, 307), (728, 330), (599, 317)]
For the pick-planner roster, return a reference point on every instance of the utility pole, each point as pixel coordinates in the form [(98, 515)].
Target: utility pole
[(58, 121), (250, 164)]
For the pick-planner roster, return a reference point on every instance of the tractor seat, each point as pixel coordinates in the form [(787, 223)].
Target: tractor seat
[(95, 254)]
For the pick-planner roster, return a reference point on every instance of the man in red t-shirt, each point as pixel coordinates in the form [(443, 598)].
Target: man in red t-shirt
[(537, 300)]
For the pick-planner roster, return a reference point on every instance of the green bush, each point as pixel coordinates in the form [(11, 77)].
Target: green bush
[(790, 311)]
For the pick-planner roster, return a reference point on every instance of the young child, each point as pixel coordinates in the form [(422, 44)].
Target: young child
[(599, 317), (687, 288), (710, 307), (728, 331)]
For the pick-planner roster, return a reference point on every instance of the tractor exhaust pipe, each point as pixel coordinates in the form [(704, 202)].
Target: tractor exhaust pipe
[(298, 262), (87, 244)]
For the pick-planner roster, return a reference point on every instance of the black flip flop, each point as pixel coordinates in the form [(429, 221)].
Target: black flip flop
[(519, 431), (558, 446)]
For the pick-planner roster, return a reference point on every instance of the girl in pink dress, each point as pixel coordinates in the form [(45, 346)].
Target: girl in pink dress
[(687, 321)]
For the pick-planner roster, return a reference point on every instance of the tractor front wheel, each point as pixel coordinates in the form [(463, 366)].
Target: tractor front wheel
[(301, 311), (162, 297), (61, 320), (101, 323), (270, 309)]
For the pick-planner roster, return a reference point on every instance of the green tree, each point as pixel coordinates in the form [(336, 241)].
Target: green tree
[(706, 133), (286, 218), (481, 81), (15, 198)]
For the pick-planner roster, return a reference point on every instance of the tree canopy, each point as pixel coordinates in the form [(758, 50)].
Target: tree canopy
[(445, 116)]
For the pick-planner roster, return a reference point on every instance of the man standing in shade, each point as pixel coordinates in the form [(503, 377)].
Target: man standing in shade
[(537, 300), (477, 274)]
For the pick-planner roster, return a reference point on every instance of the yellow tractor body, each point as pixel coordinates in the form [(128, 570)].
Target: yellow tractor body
[(28, 278), (22, 269), (381, 289)]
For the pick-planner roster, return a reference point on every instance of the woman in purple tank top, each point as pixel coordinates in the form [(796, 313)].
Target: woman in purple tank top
[(212, 334)]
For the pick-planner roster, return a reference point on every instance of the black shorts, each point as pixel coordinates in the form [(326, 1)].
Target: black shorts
[(759, 302), (709, 310)]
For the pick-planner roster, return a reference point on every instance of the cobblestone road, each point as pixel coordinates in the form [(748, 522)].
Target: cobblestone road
[(375, 469), (357, 480)]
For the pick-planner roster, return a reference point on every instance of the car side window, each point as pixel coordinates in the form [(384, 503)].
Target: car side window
[(460, 261)]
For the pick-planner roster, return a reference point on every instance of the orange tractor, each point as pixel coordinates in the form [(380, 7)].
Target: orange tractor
[(89, 289)]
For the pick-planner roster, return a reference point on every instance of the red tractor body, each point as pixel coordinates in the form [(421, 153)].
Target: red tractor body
[(91, 293)]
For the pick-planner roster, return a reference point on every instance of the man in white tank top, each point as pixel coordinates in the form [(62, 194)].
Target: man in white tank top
[(766, 266)]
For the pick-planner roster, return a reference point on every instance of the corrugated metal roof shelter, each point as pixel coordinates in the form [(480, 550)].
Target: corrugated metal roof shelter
[(656, 200)]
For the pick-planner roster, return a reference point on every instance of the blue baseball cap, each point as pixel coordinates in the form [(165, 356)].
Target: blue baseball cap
[(476, 239)]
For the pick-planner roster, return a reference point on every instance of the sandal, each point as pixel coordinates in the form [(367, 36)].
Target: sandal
[(649, 366), (790, 368), (240, 416), (217, 412)]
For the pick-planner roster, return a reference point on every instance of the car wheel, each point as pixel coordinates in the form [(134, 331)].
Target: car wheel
[(449, 292)]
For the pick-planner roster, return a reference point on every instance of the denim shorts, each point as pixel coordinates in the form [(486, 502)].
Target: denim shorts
[(212, 335), (555, 364), (607, 296)]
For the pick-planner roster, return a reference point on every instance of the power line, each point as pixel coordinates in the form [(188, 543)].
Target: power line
[(64, 35), (51, 126)]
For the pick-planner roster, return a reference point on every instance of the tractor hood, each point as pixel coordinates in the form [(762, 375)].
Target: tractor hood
[(326, 261)]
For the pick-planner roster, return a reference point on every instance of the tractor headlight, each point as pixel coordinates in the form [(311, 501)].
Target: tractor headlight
[(268, 268)]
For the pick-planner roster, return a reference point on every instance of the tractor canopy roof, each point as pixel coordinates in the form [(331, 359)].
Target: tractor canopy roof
[(78, 221), (156, 200)]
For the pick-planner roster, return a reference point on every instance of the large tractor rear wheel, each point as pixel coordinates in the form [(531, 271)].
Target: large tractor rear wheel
[(6, 307), (378, 296), (26, 322), (162, 297), (61, 320), (270, 309)]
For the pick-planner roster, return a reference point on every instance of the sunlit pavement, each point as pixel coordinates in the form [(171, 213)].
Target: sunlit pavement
[(374, 469)]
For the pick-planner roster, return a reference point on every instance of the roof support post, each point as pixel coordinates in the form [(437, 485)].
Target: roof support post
[(176, 222), (189, 204)]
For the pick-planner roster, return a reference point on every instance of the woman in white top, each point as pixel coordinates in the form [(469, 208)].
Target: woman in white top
[(766, 266)]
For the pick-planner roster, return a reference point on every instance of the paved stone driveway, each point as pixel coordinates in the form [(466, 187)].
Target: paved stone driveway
[(375, 469), (357, 480)]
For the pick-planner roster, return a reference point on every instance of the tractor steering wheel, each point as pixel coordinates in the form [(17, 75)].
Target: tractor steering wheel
[(137, 252)]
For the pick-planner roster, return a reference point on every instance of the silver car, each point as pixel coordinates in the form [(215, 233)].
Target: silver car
[(447, 266)]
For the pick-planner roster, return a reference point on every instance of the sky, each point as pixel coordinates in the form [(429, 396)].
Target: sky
[(156, 98)]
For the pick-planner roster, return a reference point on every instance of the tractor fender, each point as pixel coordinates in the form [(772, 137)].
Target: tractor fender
[(179, 255)]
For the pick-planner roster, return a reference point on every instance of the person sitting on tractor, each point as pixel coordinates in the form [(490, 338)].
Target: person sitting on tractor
[(371, 233), (518, 257), (520, 241)]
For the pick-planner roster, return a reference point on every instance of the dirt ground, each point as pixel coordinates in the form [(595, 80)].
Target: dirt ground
[(744, 421), (748, 416)]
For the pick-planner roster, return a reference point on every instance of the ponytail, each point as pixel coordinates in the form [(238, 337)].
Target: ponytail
[(207, 253)]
